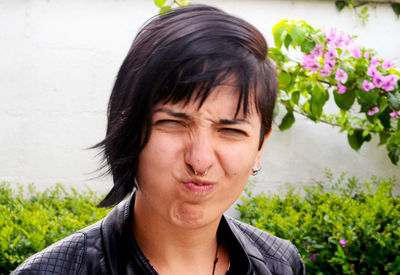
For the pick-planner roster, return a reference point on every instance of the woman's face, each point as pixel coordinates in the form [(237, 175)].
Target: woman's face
[(184, 139)]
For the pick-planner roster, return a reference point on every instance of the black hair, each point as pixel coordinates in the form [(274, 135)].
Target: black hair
[(176, 57)]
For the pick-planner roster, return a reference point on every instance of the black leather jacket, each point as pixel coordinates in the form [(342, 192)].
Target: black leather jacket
[(109, 247)]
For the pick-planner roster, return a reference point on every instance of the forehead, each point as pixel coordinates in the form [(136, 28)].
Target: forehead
[(223, 101)]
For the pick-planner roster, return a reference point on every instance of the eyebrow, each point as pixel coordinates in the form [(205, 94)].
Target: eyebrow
[(188, 117), (233, 121), (172, 113)]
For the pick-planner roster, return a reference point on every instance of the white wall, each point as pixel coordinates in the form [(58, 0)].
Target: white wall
[(59, 60)]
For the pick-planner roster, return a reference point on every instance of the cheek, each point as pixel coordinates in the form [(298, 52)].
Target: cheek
[(157, 159), (162, 147), (237, 161)]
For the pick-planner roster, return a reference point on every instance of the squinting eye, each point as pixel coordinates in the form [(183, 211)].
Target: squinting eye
[(233, 131), (169, 122)]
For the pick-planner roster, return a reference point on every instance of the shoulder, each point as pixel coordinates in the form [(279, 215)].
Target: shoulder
[(278, 254), (66, 256)]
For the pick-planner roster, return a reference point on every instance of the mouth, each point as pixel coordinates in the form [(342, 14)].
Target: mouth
[(198, 186)]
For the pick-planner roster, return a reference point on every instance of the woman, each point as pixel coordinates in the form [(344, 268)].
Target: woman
[(187, 120)]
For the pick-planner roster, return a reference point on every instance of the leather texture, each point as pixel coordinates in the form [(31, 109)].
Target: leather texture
[(279, 256), (109, 247), (62, 257)]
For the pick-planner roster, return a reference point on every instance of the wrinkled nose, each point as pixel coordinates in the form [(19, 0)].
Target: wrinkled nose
[(200, 154)]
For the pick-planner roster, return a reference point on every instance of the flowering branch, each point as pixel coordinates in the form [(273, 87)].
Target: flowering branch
[(333, 64), (334, 124)]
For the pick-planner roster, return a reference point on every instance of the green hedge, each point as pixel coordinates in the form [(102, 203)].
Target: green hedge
[(339, 227), (32, 220)]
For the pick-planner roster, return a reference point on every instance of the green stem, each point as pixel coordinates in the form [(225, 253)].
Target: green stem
[(329, 122), (177, 3), (362, 4)]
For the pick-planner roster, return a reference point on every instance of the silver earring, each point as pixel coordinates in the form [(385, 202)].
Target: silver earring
[(256, 170)]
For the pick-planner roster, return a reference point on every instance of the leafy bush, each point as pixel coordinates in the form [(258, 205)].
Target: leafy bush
[(340, 228), (32, 220)]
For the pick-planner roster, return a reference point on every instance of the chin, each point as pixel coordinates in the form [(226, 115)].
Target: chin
[(192, 216)]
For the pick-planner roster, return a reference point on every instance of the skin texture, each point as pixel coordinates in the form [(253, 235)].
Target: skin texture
[(182, 208)]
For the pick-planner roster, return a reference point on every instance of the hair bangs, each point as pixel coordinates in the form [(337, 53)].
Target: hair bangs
[(195, 80)]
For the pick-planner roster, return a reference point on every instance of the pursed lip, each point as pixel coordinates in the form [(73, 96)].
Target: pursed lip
[(197, 185)]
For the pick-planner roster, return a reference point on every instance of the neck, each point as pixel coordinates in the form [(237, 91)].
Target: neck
[(174, 249)]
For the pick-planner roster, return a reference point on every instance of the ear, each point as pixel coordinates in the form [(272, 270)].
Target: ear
[(259, 153)]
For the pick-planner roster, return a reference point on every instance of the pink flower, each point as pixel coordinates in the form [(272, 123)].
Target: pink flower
[(330, 37), (387, 87), (373, 72), (373, 111), (313, 257), (367, 86), (394, 78), (311, 66), (375, 61), (317, 51), (314, 67), (336, 38), (331, 53), (341, 89), (378, 81), (330, 64), (389, 81), (325, 72), (394, 115), (339, 39), (347, 40), (341, 75), (366, 55), (342, 243), (387, 64), (355, 51), (308, 58), (310, 63)]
